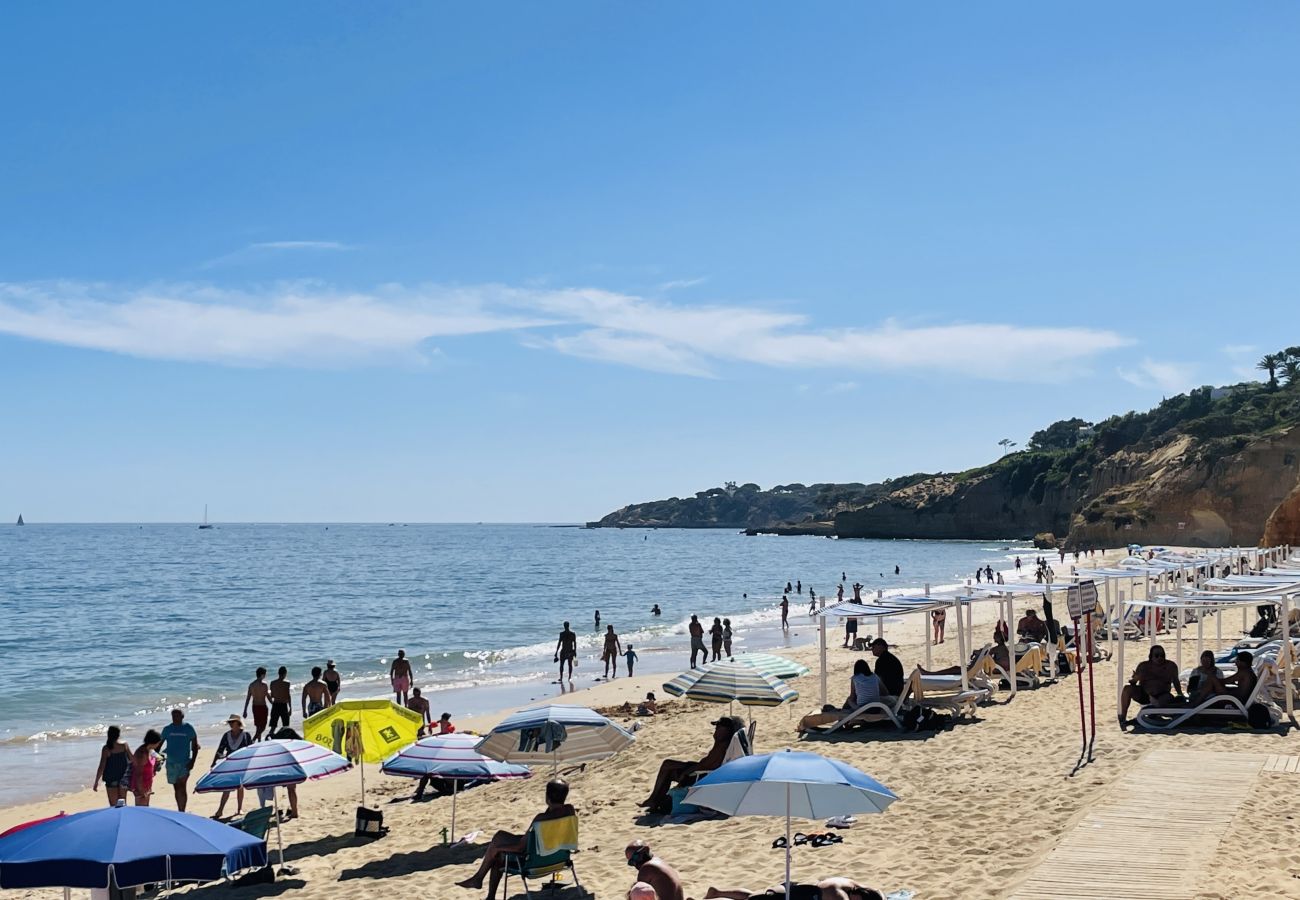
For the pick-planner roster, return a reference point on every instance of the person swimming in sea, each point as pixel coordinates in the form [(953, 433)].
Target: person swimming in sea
[(656, 611)]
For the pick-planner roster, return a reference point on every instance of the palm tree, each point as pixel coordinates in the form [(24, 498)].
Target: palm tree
[(1290, 369), (1270, 364)]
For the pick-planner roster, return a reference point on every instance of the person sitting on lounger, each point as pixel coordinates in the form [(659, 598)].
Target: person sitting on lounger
[(888, 668), (504, 842), (1031, 628), (1204, 682), (1152, 683), (1241, 683), (998, 653), (826, 889), (674, 771), (864, 688)]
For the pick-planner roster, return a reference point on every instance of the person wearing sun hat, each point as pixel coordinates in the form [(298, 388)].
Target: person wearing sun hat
[(235, 738)]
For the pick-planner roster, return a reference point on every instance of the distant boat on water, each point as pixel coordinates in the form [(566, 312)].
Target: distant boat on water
[(205, 518), (20, 519)]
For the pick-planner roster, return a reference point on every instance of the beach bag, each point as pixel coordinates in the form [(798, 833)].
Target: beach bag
[(1258, 717), (370, 823), (1063, 664)]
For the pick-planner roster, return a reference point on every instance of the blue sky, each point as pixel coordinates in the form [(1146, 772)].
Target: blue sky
[(436, 262)]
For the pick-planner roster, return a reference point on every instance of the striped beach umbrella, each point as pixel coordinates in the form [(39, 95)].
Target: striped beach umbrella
[(453, 758), (726, 682), (554, 734), (776, 666)]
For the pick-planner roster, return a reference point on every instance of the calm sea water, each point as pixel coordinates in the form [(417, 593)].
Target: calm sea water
[(107, 624)]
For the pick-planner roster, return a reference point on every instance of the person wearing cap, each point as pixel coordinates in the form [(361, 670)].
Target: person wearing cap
[(674, 771), (333, 681), (663, 880), (235, 738), (888, 668)]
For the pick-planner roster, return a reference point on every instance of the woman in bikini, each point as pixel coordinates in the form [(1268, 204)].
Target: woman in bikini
[(114, 767)]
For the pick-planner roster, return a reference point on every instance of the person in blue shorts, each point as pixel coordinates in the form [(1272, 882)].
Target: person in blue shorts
[(181, 744)]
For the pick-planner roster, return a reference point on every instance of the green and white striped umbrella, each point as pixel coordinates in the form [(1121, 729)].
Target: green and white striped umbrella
[(776, 666), (726, 681)]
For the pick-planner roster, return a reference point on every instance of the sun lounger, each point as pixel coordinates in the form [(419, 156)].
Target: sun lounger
[(1223, 706), (888, 709), (1029, 668), (946, 692)]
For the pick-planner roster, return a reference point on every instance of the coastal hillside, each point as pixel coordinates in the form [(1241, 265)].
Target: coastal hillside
[(1214, 466)]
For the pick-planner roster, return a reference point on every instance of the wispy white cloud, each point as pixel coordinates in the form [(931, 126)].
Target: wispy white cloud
[(1169, 377), (682, 283), (307, 323), (265, 249), (842, 387)]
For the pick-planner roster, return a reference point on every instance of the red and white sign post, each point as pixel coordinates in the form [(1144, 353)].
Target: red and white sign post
[(1081, 599)]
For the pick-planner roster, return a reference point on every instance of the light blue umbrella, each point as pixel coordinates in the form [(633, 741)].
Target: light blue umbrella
[(453, 757), (554, 734), (790, 783)]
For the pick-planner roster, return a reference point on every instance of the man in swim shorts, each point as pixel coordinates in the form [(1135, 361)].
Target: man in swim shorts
[(566, 650), (399, 673), (181, 744), (315, 694), (652, 870), (257, 695), (281, 699)]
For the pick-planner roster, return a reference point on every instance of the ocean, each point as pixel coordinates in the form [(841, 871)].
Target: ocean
[(115, 624)]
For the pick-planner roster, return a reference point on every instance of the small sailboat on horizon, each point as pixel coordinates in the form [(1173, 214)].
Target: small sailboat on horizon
[(205, 518), (20, 519)]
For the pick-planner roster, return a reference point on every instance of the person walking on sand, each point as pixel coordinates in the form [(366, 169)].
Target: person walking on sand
[(566, 651), (114, 765), (281, 699), (631, 657), (235, 738), (144, 766), (939, 617), (333, 682), (315, 694), (610, 654), (182, 750), (715, 639), (785, 612), (258, 694), (726, 638), (399, 673), (697, 640)]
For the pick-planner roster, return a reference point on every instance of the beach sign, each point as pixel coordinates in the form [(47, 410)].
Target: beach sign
[(1081, 599)]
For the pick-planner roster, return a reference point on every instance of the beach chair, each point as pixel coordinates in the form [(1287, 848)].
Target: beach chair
[(945, 691), (1224, 706), (867, 713), (549, 849), (256, 822), (1133, 631), (1029, 668)]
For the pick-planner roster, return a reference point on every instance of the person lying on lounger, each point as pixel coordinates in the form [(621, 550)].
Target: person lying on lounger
[(1204, 682), (998, 653), (1153, 683), (826, 889), (1241, 683), (674, 771), (864, 688), (504, 842)]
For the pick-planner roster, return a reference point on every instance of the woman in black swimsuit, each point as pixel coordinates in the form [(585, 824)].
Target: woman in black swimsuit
[(114, 767)]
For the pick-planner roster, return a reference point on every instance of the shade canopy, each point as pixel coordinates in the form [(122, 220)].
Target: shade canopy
[(450, 756), (554, 734), (364, 730), (126, 846), (726, 681), (272, 764)]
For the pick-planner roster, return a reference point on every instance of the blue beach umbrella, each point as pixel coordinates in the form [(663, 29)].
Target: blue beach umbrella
[(452, 757), (554, 734), (726, 681), (125, 846), (790, 783)]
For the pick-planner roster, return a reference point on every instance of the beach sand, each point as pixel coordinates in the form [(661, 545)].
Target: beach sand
[(979, 805)]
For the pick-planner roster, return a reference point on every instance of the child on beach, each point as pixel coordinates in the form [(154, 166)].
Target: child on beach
[(145, 763), (630, 656)]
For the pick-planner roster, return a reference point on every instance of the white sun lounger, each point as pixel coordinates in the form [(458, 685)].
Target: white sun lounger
[(1223, 706)]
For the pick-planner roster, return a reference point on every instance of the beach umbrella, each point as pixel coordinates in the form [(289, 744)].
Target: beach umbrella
[(790, 783), (727, 682), (554, 734), (22, 825), (125, 846), (272, 764), (365, 731), (451, 757), (776, 666)]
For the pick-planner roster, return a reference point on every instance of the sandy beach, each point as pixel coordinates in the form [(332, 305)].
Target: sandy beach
[(981, 805)]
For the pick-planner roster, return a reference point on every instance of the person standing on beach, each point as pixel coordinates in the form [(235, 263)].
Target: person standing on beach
[(715, 638), (333, 682), (798, 587), (257, 695), (812, 595), (839, 593), (726, 638), (281, 699), (182, 749), (420, 705), (1017, 565), (144, 766), (785, 612), (114, 764), (939, 616), (235, 738), (566, 651), (315, 694), (399, 673), (631, 657), (613, 650), (697, 640), (857, 592), (850, 631)]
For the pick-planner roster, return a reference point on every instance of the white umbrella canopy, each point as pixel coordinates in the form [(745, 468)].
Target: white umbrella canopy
[(554, 734), (728, 681)]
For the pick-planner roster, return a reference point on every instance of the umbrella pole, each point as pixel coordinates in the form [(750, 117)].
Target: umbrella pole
[(787, 841), (67, 893), (363, 781), (279, 840), (455, 783)]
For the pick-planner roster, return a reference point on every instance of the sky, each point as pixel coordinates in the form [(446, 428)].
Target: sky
[(532, 262)]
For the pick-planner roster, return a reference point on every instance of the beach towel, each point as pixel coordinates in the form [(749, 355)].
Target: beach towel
[(554, 835), (546, 738)]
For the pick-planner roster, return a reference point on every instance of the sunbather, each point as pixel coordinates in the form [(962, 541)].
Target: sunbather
[(1204, 682), (998, 653), (651, 870), (674, 771), (826, 889), (1241, 683), (864, 688), (505, 842), (1153, 683)]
